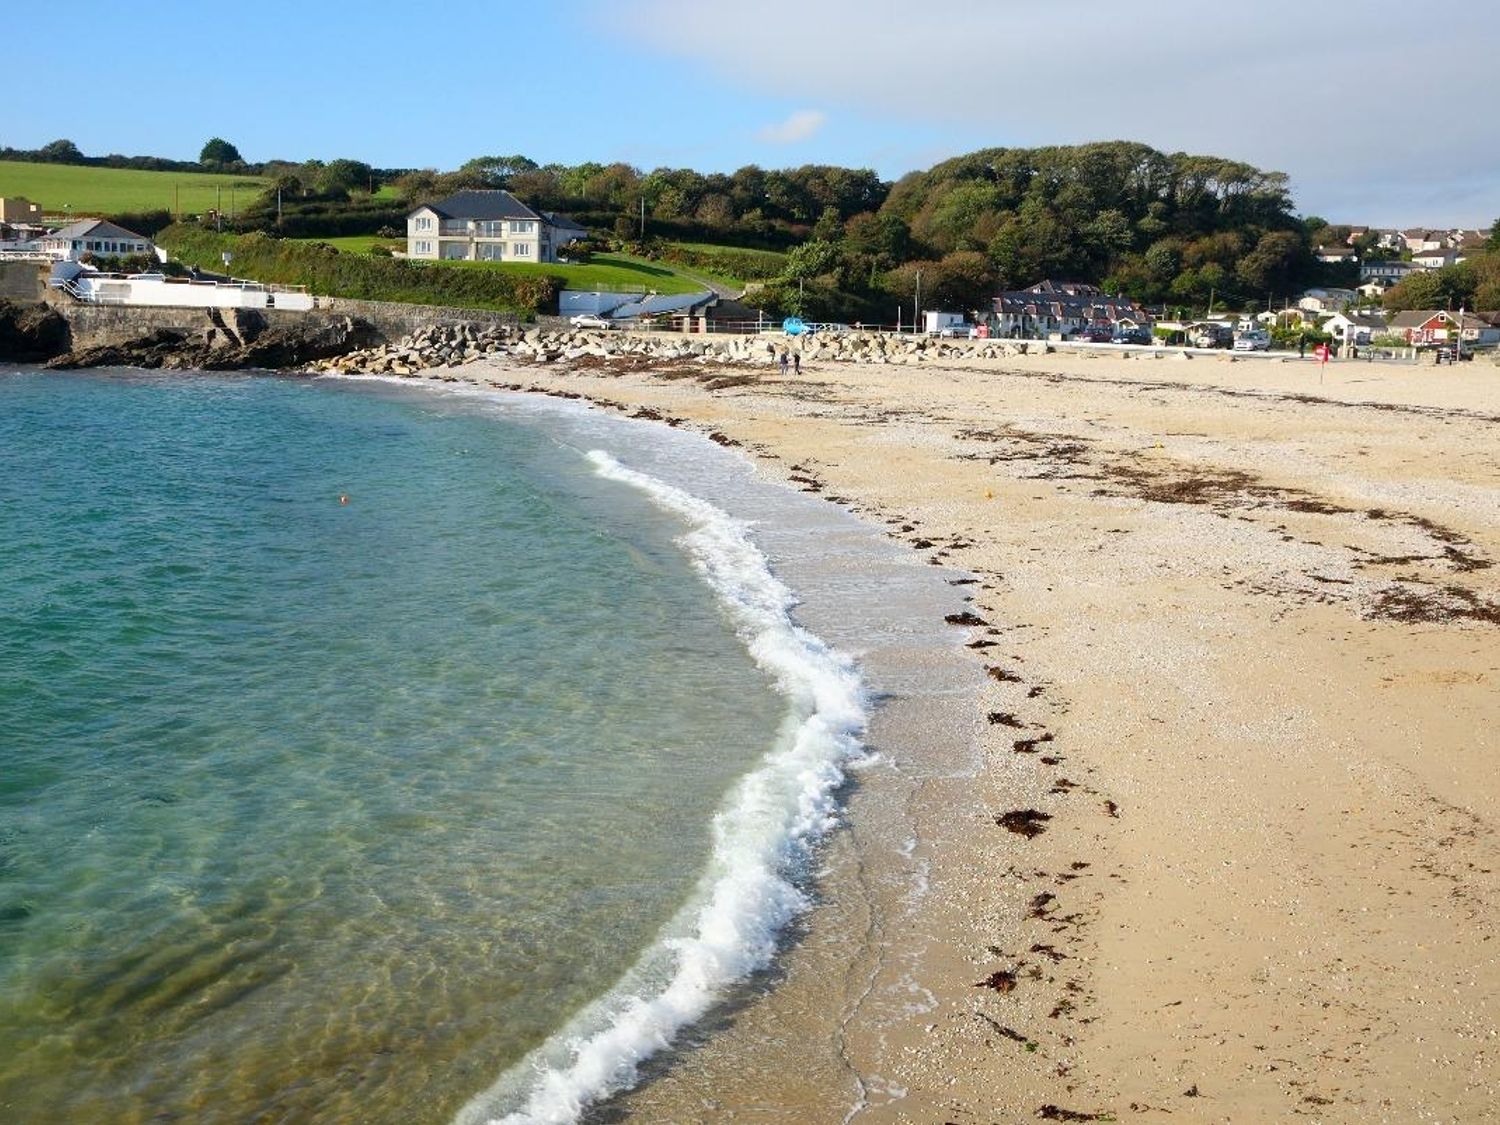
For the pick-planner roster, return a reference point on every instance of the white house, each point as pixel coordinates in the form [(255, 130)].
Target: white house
[(1337, 254), (1388, 273), (1354, 327), (1325, 300), (94, 236), (1435, 259), (486, 226)]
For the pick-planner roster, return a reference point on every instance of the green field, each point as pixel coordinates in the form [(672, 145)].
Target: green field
[(68, 189), (358, 243)]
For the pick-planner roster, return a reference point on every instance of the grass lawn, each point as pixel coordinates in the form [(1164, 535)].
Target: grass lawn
[(358, 243), (774, 260), (605, 271), (80, 190)]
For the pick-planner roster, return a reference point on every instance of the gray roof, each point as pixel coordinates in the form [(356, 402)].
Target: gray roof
[(1415, 318), (477, 204), (562, 222), (662, 305), (96, 228)]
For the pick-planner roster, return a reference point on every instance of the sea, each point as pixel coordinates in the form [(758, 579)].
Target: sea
[(390, 752)]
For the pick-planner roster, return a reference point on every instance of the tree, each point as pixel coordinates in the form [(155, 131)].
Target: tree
[(343, 175), (812, 258), (218, 151), (1270, 267), (60, 152)]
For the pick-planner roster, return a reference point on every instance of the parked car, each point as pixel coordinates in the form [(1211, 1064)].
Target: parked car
[(1252, 342), (591, 320), (1132, 336), (1213, 336), (1092, 334)]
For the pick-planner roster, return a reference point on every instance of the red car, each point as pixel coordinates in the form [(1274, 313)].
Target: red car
[(1093, 335)]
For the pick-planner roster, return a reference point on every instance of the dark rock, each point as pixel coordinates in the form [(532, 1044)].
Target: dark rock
[(30, 333)]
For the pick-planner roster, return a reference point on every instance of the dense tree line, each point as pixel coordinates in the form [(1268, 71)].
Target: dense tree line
[(1173, 229), (1164, 228)]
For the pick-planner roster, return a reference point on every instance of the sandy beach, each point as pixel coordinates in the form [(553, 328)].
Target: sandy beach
[(1230, 854)]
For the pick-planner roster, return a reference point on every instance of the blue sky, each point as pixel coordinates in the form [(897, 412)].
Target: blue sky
[(1379, 113)]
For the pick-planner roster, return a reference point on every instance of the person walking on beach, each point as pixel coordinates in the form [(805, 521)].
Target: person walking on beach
[(782, 363), (797, 363)]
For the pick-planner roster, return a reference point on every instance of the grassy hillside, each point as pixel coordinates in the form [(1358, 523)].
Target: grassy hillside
[(63, 188), (731, 265), (605, 271)]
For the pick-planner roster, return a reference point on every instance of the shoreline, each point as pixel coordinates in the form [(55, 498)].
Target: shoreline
[(1242, 887)]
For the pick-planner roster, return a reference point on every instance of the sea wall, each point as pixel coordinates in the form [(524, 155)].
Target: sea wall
[(21, 281), (103, 325)]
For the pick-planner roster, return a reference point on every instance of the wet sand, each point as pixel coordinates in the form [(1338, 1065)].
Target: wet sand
[(1229, 853)]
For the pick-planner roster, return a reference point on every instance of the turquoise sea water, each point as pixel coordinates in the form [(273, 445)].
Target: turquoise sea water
[(351, 743)]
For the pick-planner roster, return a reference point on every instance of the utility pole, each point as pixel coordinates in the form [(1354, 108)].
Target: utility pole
[(643, 218), (916, 305), (219, 207), (177, 201)]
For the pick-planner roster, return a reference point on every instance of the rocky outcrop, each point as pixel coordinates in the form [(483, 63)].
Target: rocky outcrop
[(230, 339), (31, 333)]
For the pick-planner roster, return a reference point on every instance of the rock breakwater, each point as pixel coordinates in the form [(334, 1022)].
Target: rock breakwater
[(442, 346)]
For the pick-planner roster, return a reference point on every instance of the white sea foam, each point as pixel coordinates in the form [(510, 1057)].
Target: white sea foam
[(762, 838)]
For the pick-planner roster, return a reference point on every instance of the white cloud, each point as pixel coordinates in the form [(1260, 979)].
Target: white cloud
[(1354, 101), (801, 125)]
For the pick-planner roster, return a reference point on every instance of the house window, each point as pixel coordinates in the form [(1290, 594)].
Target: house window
[(423, 246), (491, 251), (494, 229), (424, 224), (521, 249), (519, 227)]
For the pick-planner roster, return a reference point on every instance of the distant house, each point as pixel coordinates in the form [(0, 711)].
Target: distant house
[(1389, 273), (1420, 238), (17, 210), (1325, 300), (1435, 259), (1439, 326), (1354, 327), (1337, 254), (94, 236), (486, 226), (1063, 308)]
